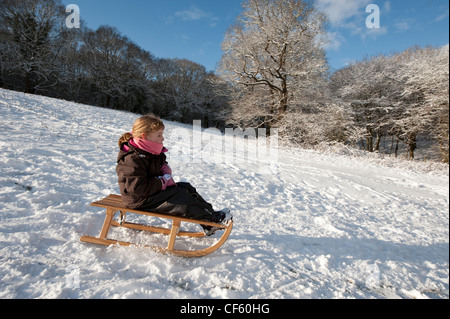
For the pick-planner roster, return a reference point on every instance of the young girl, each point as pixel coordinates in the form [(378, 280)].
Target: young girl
[(145, 178)]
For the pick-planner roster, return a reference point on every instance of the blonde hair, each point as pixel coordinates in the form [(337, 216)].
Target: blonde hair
[(144, 125)]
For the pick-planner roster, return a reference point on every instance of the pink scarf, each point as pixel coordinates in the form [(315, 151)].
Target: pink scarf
[(148, 146)]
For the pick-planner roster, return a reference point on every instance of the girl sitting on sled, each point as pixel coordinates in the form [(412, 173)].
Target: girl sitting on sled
[(145, 178)]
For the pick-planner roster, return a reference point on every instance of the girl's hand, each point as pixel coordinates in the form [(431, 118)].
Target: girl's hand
[(165, 169), (166, 181)]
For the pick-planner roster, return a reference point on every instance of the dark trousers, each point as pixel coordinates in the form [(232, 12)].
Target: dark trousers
[(181, 200)]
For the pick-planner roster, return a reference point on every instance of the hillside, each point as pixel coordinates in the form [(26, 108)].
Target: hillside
[(314, 225)]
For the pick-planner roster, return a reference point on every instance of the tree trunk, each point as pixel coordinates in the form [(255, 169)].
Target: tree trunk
[(396, 148), (27, 82), (283, 105), (377, 142), (1, 72), (284, 98), (412, 145)]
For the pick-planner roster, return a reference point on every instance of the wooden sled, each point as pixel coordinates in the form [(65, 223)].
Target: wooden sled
[(113, 205)]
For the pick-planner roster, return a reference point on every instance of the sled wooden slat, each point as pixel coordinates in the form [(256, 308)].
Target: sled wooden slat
[(114, 205)]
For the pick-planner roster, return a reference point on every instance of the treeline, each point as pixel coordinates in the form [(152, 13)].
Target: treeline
[(40, 55), (400, 98), (275, 59), (273, 74)]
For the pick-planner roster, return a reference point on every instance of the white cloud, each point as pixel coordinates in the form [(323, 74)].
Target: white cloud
[(387, 7), (442, 16), (193, 13), (348, 17), (373, 33), (185, 37), (213, 22), (340, 11), (404, 25), (333, 41)]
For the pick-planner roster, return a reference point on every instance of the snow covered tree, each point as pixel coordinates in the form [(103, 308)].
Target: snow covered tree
[(270, 53), (425, 74), (404, 96), (370, 89)]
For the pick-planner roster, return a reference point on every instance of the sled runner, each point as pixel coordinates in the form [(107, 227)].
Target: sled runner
[(114, 205)]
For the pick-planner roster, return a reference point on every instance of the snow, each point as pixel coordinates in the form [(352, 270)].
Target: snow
[(321, 225)]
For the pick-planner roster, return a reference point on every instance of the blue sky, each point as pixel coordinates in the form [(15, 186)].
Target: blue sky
[(194, 29)]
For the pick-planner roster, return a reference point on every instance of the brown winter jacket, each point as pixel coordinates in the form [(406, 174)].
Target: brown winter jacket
[(138, 172)]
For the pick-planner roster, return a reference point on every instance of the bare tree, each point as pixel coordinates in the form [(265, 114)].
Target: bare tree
[(29, 30), (39, 54), (118, 69), (273, 48), (189, 91), (180, 83)]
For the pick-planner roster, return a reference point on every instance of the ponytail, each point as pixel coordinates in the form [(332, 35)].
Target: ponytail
[(125, 138)]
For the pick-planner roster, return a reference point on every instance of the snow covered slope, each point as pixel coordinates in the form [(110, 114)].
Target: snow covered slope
[(320, 226)]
